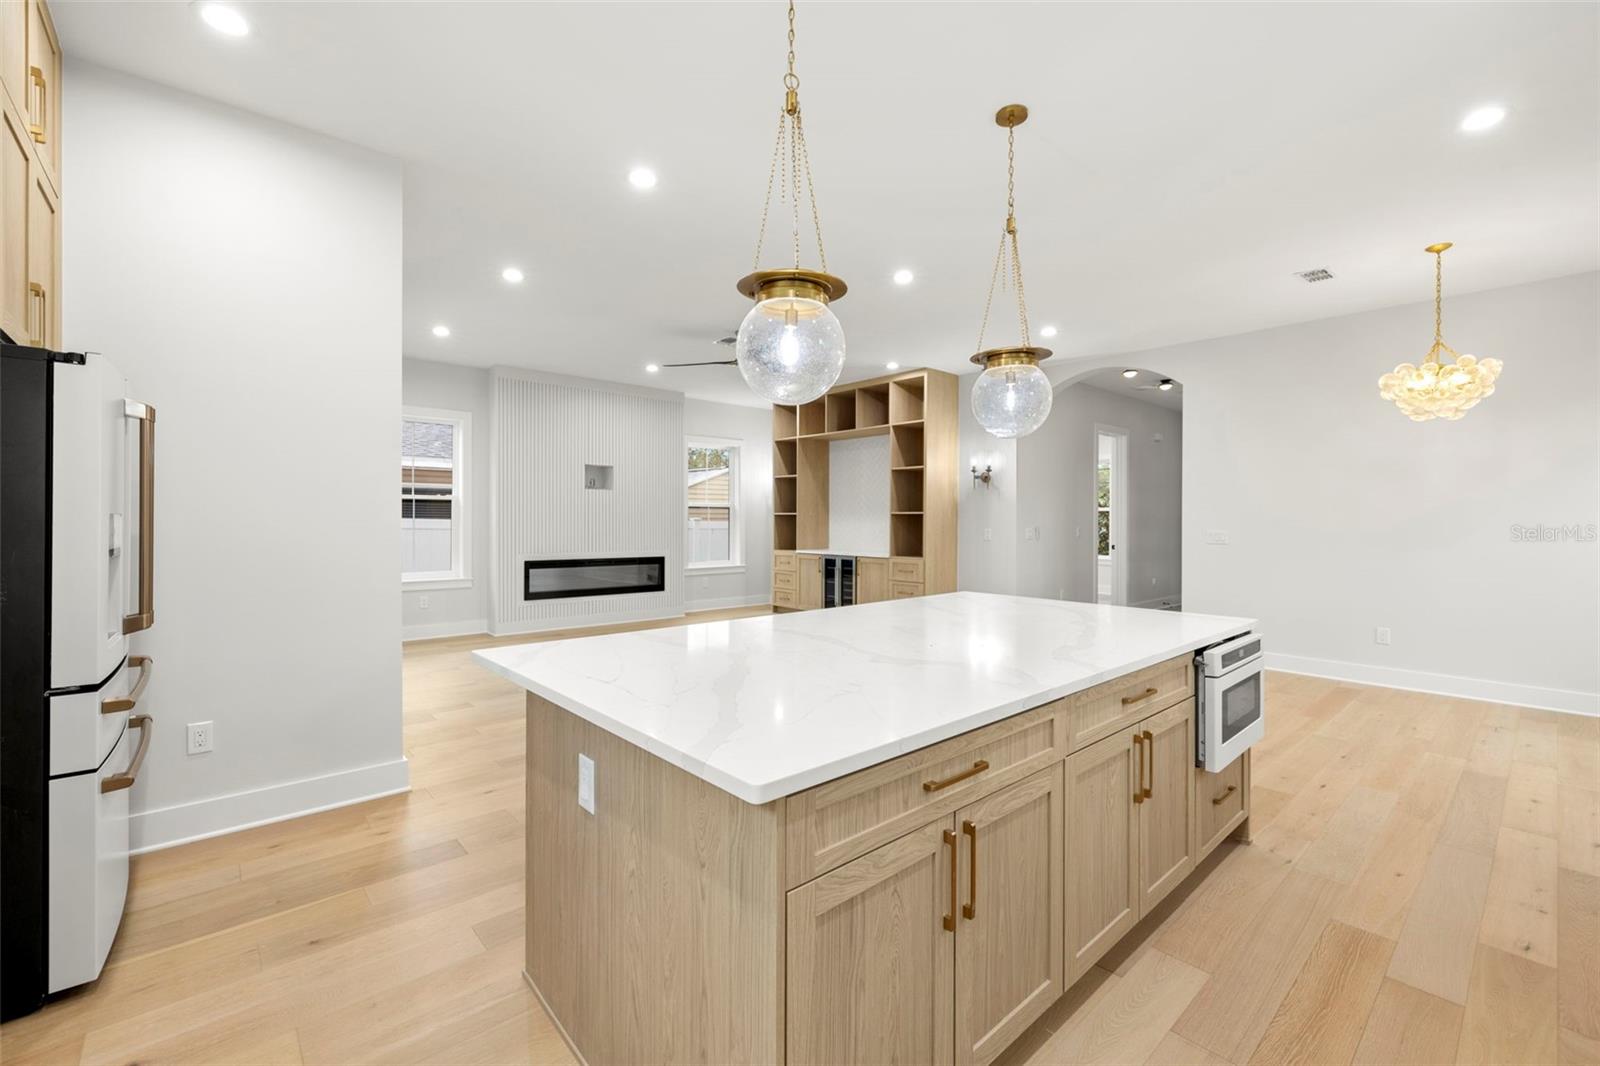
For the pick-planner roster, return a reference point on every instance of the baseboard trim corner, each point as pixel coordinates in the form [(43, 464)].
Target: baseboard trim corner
[(723, 603), (1469, 688), (183, 823)]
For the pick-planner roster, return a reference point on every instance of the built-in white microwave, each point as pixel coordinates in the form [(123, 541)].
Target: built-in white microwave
[(1232, 701)]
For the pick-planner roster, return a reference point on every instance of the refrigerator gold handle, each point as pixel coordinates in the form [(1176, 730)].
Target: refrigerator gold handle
[(146, 667), (116, 782), (145, 617)]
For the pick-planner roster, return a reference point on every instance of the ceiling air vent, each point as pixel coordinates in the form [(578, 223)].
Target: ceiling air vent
[(1311, 276)]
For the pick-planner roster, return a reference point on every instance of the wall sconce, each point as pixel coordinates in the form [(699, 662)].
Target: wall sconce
[(986, 475)]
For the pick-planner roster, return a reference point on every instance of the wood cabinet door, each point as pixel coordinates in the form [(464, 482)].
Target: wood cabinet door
[(43, 95), (1166, 817), (1009, 936), (44, 260), (15, 192), (14, 15), (871, 956), (872, 580), (810, 582), (1102, 834)]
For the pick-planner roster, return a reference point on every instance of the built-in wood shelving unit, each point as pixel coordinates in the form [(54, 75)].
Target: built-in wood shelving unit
[(917, 411)]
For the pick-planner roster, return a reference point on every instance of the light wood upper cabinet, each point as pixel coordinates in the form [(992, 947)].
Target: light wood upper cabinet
[(30, 200), (44, 261), (16, 160), (872, 580), (1102, 835), (43, 94), (1009, 936), (1166, 817), (871, 956), (810, 567), (14, 15)]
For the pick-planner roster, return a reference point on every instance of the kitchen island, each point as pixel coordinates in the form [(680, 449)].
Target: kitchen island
[(892, 832)]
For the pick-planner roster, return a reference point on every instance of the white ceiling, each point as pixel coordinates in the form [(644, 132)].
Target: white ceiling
[(1181, 163), (1140, 388)]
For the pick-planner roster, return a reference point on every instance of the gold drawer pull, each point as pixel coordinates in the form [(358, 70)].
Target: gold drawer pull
[(38, 299), (1217, 801), (118, 782), (1150, 756), (1146, 694), (1138, 758), (113, 705), (969, 909), (977, 768), (950, 919), (36, 130)]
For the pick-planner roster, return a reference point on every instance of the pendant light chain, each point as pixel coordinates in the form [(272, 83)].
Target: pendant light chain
[(792, 129), (1438, 312), (1008, 242)]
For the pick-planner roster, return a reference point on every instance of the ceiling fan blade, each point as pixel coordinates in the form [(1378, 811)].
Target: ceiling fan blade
[(712, 362)]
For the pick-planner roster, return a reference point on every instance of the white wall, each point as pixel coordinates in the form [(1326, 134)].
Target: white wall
[(1056, 470), (545, 429), (1343, 516), (752, 428), (245, 276), (987, 533), (451, 387)]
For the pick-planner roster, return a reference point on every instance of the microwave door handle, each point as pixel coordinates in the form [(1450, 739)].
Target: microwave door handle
[(145, 616)]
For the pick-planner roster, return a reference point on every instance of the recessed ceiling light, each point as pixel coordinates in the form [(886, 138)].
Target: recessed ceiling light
[(1130, 373), (441, 330), (891, 366), (512, 274), (904, 277), (1047, 331), (642, 178), (1166, 385), (224, 19), (1483, 118), (651, 368)]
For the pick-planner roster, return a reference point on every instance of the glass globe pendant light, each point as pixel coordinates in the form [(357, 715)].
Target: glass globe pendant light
[(790, 347), (1437, 389), (1012, 397)]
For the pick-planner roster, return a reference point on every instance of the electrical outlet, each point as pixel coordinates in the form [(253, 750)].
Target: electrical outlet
[(1381, 635), (586, 782), (988, 534), (200, 738), (705, 583), (422, 602), (1217, 536)]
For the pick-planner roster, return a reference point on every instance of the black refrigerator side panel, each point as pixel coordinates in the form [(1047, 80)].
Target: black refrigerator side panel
[(25, 406)]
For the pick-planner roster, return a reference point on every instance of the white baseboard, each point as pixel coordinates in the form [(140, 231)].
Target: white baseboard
[(507, 629), (468, 628), (1550, 699), (168, 827), (725, 602)]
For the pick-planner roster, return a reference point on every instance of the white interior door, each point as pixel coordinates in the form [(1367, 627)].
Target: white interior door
[(1111, 510)]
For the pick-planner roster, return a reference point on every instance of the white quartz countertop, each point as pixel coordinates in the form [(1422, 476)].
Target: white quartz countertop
[(764, 707)]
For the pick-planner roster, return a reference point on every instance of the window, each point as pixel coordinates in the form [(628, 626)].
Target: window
[(433, 514), (712, 537)]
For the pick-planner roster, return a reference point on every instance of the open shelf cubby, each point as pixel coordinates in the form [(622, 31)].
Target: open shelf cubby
[(905, 445), (783, 458), (872, 406), (783, 494), (784, 423), (814, 417), (841, 411), (905, 490), (905, 400), (905, 535), (783, 532)]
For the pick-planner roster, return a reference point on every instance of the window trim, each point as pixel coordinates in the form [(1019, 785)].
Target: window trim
[(736, 563), (459, 576)]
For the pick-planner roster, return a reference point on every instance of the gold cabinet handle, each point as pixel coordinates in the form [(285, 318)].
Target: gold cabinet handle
[(1217, 801), (146, 667), (977, 768), (37, 298), (1149, 754), (950, 919), (1138, 761), (116, 782), (145, 617), (969, 909), (1146, 694), (36, 130)]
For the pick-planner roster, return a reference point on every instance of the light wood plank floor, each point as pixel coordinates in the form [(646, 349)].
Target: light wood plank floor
[(1423, 886)]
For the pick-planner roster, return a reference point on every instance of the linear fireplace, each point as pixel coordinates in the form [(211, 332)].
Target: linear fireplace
[(557, 579)]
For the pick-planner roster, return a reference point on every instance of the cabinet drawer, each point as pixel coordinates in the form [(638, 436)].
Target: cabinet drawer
[(900, 590), (783, 561), (784, 598), (905, 570), (783, 579), (1219, 804), (1102, 710), (835, 822)]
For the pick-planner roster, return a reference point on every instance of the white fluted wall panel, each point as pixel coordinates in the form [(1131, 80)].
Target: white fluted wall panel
[(545, 430)]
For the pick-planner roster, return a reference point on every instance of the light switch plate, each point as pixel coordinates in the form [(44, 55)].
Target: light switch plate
[(586, 782)]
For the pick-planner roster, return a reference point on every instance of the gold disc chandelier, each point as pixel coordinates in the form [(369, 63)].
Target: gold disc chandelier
[(790, 347), (1437, 389), (1012, 397)]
